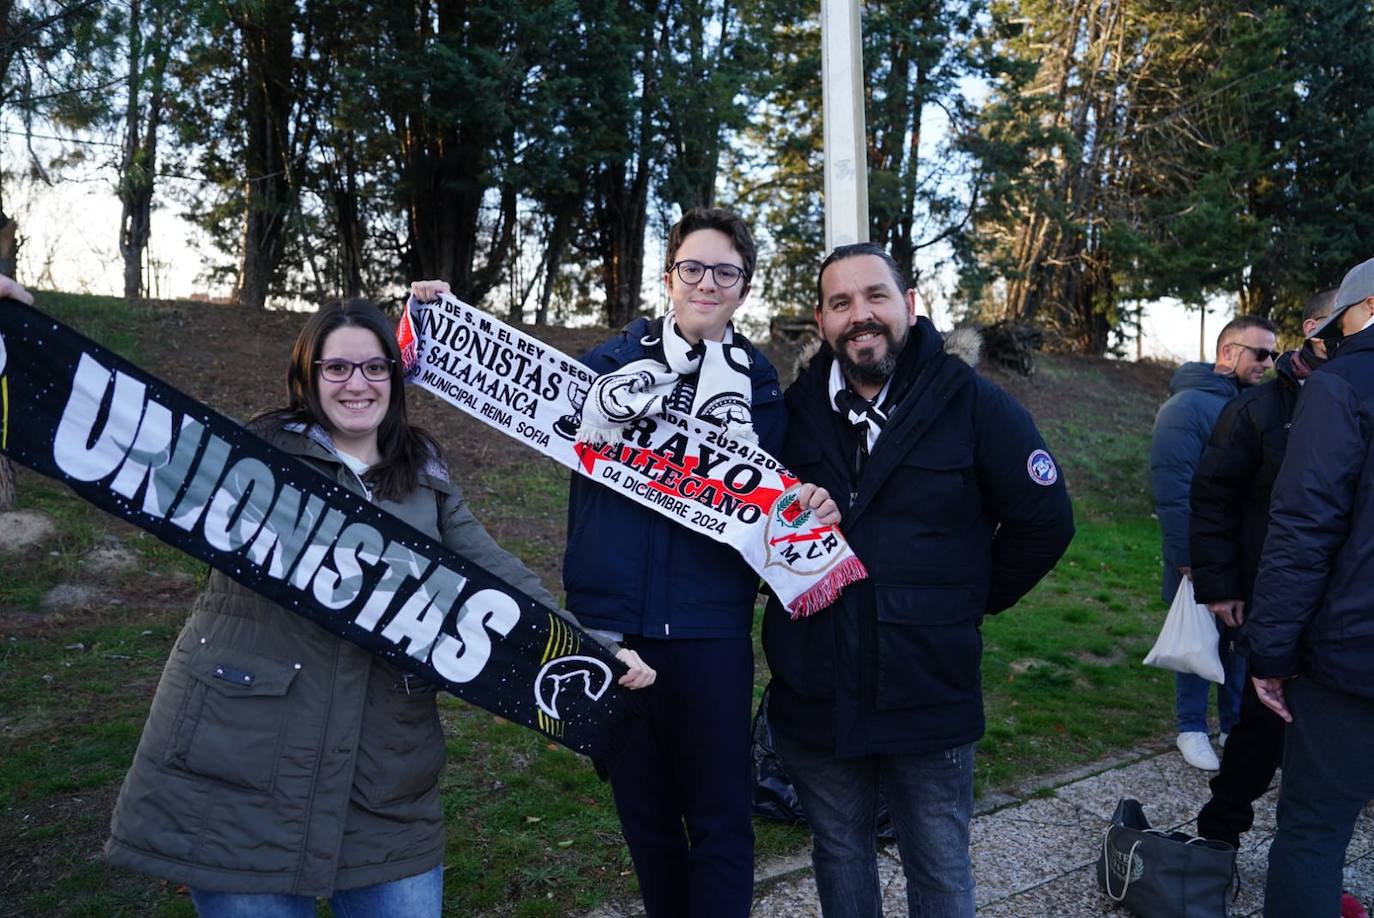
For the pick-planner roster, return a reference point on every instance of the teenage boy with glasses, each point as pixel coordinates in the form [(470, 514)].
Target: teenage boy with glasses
[(684, 791)]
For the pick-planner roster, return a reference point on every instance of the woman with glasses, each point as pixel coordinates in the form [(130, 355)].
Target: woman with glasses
[(286, 763)]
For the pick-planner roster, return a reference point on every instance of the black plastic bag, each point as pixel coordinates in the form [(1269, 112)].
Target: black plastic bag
[(774, 796)]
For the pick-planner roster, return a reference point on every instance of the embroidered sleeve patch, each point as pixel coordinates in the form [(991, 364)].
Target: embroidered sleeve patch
[(1041, 468)]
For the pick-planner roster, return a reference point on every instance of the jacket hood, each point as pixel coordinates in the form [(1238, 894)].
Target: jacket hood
[(966, 343), (1353, 344), (1198, 375), (313, 441)]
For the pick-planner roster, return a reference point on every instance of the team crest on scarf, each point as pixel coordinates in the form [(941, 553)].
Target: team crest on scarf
[(794, 541)]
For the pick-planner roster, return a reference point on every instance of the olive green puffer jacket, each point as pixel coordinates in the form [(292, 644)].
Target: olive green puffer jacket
[(321, 774)]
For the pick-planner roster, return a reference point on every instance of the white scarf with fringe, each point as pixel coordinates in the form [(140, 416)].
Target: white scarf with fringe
[(708, 380)]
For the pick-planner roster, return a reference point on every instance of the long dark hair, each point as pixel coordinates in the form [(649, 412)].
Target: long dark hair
[(404, 449)]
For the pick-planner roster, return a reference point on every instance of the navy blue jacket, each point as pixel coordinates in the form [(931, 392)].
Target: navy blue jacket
[(1182, 426), (1233, 484), (952, 523), (632, 570), (1314, 598)]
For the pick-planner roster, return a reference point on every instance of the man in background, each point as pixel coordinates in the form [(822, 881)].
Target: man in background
[(1197, 393)]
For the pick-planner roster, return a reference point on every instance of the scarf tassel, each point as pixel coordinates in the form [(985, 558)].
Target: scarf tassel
[(826, 590)]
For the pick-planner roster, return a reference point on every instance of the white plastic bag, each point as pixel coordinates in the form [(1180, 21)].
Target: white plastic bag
[(1188, 642)]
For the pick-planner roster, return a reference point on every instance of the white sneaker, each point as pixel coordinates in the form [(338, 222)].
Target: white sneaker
[(1197, 751)]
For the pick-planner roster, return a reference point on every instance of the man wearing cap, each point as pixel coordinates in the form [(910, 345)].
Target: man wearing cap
[(1198, 391), (1311, 632), (1230, 516), (957, 509)]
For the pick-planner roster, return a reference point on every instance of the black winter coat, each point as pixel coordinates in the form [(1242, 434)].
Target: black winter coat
[(959, 511), (1231, 488), (1314, 599)]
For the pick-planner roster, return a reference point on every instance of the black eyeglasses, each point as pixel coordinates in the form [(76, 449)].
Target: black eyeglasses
[(1261, 353), (692, 272), (337, 370)]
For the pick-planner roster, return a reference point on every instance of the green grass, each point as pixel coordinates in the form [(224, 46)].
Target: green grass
[(519, 504), (529, 823), (1062, 679), (79, 527), (73, 706), (1063, 683), (107, 320)]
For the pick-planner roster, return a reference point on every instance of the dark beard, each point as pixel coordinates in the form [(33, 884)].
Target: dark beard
[(872, 374)]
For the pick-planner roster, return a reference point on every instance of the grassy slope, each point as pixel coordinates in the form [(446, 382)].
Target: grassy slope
[(531, 829)]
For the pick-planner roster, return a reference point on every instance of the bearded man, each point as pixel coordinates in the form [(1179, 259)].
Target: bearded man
[(957, 509)]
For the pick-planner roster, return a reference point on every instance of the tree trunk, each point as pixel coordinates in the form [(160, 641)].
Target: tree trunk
[(138, 167), (623, 215), (622, 186), (267, 34), (9, 245), (446, 165), (559, 234), (343, 189)]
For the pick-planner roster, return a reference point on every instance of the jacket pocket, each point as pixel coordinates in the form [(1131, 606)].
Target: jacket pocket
[(229, 726), (401, 748), (938, 478), (929, 646), (802, 653)]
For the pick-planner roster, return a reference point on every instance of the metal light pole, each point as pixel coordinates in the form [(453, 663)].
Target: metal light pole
[(846, 162)]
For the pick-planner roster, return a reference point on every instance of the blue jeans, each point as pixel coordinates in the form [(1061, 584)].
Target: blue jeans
[(420, 896), (930, 799), (1327, 779), (1191, 693)]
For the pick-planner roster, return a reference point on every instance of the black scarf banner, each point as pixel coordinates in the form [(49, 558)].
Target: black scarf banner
[(147, 453)]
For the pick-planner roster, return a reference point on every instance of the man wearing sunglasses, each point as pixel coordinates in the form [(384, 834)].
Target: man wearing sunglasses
[(1198, 392), (1230, 517)]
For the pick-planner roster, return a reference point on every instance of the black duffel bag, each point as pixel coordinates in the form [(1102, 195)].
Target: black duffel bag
[(1158, 874)]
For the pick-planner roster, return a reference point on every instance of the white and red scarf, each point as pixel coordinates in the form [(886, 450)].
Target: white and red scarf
[(690, 460)]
